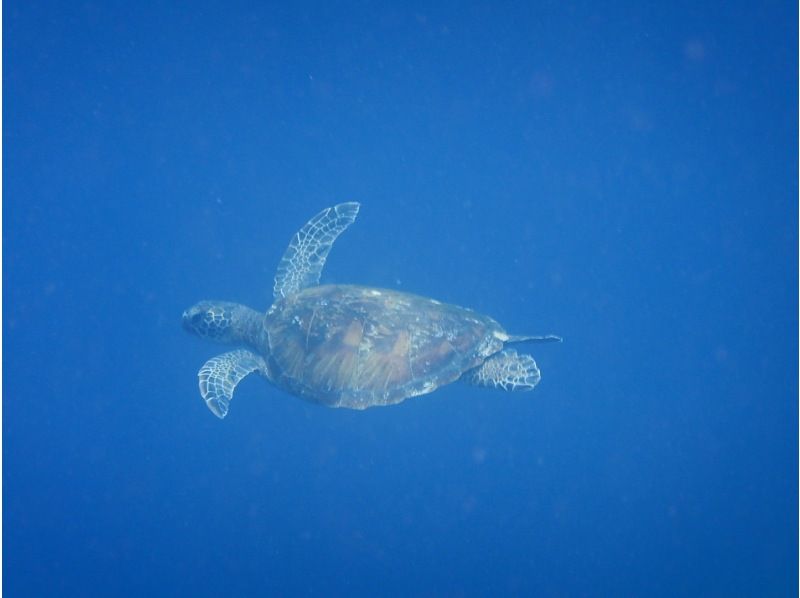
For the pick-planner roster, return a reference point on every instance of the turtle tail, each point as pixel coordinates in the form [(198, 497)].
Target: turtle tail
[(521, 338)]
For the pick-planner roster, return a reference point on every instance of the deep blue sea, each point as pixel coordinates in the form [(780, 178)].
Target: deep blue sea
[(623, 174)]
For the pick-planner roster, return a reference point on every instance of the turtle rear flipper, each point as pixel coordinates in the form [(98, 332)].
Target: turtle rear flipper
[(219, 376), (506, 370)]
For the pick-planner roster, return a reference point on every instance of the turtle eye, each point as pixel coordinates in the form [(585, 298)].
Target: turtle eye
[(197, 319)]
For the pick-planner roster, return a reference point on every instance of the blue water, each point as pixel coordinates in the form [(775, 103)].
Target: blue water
[(621, 174)]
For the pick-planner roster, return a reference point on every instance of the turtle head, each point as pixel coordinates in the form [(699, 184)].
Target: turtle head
[(214, 320)]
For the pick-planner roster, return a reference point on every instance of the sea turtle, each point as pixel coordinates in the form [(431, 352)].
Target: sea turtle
[(351, 346)]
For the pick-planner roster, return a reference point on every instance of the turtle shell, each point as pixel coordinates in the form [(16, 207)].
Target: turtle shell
[(358, 347)]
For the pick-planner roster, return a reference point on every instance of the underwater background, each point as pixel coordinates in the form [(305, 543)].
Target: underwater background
[(622, 174)]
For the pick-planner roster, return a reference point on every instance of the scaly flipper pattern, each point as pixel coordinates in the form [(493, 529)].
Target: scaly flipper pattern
[(506, 370), (305, 257), (219, 376)]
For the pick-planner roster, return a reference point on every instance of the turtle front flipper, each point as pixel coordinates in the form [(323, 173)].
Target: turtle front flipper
[(302, 264), (220, 375), (506, 370)]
